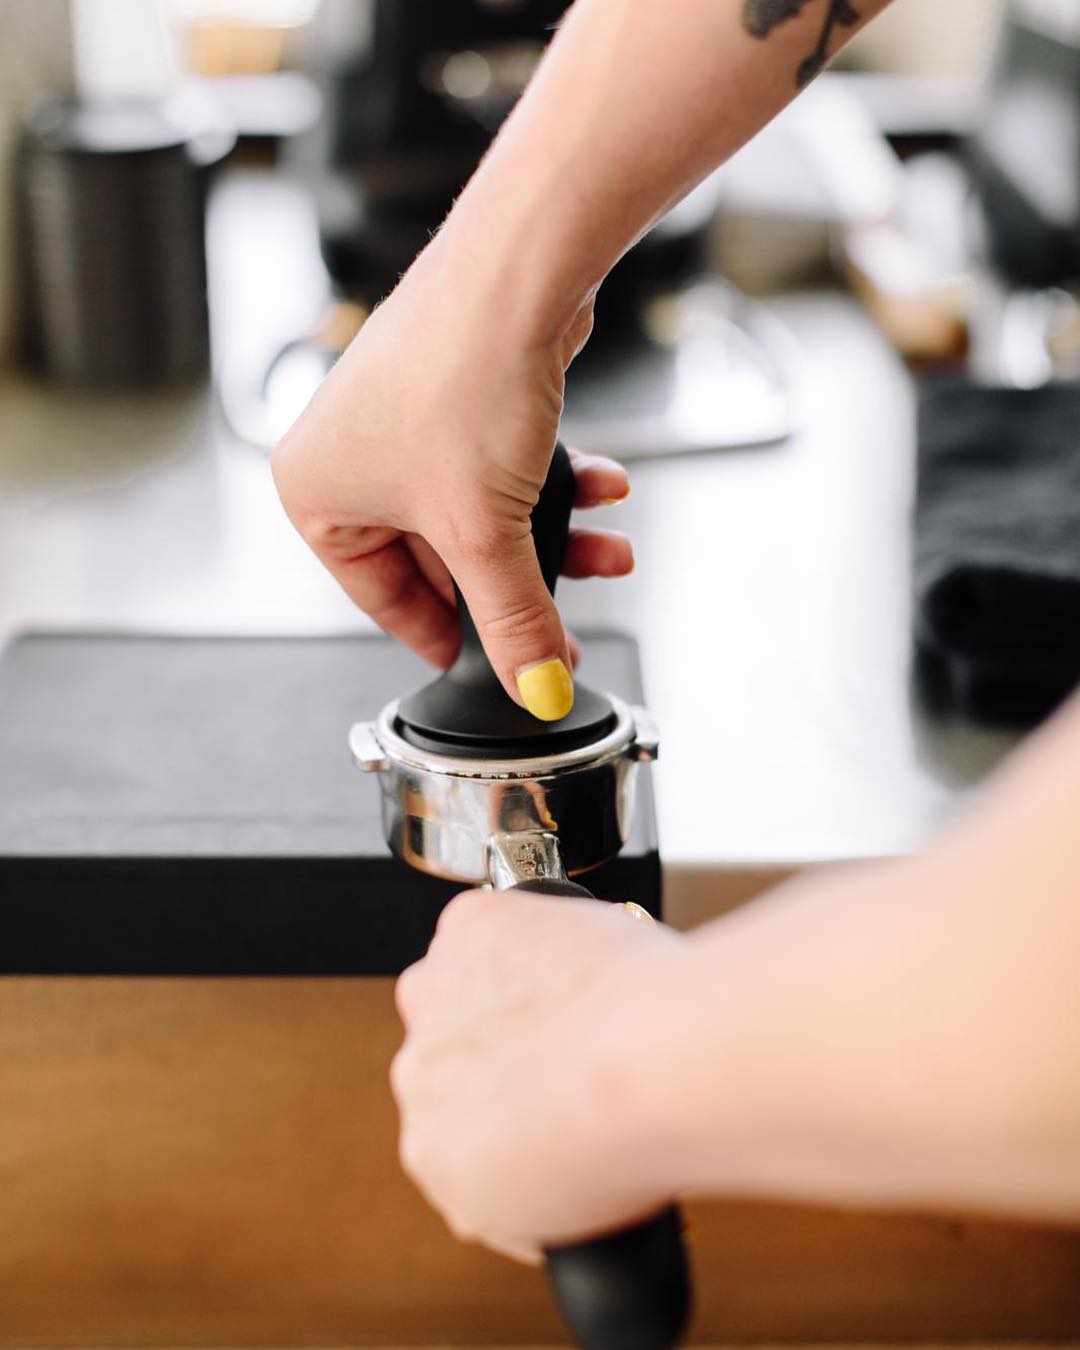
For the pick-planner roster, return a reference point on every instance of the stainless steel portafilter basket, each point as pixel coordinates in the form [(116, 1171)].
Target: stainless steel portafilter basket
[(505, 822), (476, 790)]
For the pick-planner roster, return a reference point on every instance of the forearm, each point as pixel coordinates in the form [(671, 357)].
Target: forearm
[(634, 104), (903, 1034)]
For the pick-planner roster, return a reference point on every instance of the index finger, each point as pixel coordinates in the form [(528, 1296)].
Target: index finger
[(389, 584)]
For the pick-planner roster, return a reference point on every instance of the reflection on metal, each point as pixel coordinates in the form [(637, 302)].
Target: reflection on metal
[(517, 859), (482, 821), (1038, 338), (712, 371), (484, 80)]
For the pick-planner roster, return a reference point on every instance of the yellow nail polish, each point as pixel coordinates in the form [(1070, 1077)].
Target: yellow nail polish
[(546, 689)]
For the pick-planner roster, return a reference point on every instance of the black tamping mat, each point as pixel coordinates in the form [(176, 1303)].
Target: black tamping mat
[(188, 806)]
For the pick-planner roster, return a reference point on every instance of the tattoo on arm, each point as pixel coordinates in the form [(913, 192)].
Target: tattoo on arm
[(760, 17)]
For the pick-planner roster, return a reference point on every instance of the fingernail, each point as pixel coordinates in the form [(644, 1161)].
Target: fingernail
[(546, 689), (611, 501)]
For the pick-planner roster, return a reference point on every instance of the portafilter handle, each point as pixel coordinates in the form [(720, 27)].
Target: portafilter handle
[(627, 1290)]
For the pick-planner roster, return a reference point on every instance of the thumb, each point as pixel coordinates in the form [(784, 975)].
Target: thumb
[(518, 624)]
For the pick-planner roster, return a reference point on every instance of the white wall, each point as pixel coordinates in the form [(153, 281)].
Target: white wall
[(931, 37)]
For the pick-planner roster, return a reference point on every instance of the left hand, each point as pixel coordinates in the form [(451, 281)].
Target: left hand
[(517, 1082)]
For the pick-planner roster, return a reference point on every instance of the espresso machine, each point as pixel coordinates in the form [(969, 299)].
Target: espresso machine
[(413, 94)]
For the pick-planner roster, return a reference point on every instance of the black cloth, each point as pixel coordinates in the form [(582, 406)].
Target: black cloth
[(997, 550)]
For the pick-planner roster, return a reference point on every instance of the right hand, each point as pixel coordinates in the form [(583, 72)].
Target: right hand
[(421, 457), (520, 1094)]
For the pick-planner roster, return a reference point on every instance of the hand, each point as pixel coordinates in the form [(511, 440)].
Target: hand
[(517, 1081), (421, 458)]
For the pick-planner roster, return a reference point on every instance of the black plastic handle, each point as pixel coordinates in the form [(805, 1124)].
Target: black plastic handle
[(550, 529), (627, 1290)]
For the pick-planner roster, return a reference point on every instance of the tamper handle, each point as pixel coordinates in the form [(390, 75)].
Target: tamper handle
[(550, 529), (627, 1290)]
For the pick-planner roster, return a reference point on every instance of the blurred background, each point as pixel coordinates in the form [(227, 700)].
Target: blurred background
[(203, 199)]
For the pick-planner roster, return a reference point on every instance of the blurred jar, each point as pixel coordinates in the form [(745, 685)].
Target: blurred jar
[(35, 56), (113, 204)]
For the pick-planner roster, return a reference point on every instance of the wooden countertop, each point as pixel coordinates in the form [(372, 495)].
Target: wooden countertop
[(213, 1162)]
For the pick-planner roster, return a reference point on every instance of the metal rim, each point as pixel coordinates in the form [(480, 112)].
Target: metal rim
[(611, 746)]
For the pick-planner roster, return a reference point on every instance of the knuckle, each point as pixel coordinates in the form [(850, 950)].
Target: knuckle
[(480, 544), (286, 478), (461, 1229), (412, 1154), (462, 910), (406, 991), (280, 457), (401, 1075), (400, 597), (521, 621), (581, 331)]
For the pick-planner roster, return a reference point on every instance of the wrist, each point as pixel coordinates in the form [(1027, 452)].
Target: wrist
[(805, 1067), (629, 1121), (506, 251)]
